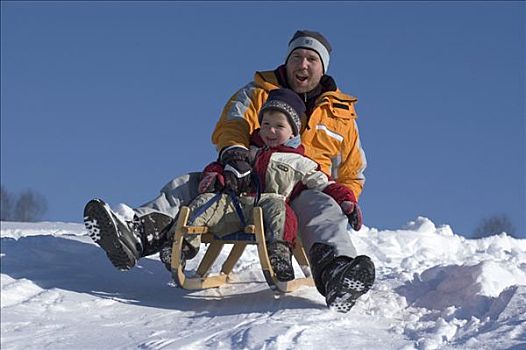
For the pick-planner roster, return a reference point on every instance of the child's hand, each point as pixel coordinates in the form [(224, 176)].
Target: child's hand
[(237, 169), (235, 181)]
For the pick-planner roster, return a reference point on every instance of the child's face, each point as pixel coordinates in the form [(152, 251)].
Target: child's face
[(275, 128)]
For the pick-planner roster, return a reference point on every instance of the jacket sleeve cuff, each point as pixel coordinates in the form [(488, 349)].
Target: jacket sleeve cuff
[(227, 148), (214, 167), (340, 193)]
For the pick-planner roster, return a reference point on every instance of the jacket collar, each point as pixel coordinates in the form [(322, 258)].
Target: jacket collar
[(326, 84)]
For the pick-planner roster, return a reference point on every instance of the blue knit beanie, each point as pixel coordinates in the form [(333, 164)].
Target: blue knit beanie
[(288, 102)]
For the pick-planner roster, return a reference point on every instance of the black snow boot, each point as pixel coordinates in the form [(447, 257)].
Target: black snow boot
[(320, 256), (154, 229), (280, 257), (124, 241), (347, 279), (341, 280)]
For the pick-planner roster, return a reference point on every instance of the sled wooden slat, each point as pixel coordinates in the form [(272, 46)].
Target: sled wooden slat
[(252, 234), (233, 257), (195, 229), (299, 254), (250, 229), (205, 282), (210, 257), (177, 247), (269, 274)]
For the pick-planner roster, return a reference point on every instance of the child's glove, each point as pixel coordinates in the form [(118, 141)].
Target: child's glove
[(237, 169), (211, 182), (354, 214)]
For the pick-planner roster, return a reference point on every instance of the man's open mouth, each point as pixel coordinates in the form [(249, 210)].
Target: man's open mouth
[(301, 77)]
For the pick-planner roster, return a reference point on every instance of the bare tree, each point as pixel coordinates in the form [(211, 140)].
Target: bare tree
[(7, 202), (494, 225), (30, 206)]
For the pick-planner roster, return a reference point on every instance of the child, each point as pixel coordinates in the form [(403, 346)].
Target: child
[(280, 171)]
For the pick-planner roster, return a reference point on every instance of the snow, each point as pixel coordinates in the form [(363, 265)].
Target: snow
[(434, 290)]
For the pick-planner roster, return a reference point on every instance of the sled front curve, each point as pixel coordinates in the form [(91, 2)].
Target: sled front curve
[(252, 234)]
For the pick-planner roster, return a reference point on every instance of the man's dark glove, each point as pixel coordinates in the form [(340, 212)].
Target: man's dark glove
[(354, 214), (236, 169)]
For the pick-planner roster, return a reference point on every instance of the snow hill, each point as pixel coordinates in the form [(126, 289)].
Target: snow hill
[(434, 290)]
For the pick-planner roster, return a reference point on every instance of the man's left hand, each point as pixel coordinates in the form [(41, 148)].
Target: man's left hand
[(354, 214)]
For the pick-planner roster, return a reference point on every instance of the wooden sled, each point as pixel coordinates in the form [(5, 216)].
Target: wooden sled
[(252, 234)]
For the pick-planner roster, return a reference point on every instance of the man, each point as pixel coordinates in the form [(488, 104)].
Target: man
[(330, 136)]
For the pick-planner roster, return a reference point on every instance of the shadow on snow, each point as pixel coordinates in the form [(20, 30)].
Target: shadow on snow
[(55, 262)]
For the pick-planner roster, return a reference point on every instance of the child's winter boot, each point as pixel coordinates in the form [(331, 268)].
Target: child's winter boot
[(188, 252), (280, 257)]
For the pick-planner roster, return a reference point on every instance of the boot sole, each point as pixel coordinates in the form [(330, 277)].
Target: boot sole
[(103, 230), (354, 283)]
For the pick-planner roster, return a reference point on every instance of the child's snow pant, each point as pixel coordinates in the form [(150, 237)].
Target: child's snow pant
[(219, 213)]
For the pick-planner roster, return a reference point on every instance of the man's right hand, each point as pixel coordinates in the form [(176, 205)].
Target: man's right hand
[(237, 169)]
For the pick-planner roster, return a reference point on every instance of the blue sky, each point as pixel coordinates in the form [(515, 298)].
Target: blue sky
[(113, 99)]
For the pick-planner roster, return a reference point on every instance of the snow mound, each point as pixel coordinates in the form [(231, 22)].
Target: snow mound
[(470, 289), (434, 290)]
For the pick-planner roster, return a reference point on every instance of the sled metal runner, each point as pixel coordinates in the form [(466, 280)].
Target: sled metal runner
[(252, 234)]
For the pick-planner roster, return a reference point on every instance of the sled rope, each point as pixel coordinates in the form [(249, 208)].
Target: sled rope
[(257, 183), (237, 206), (235, 201)]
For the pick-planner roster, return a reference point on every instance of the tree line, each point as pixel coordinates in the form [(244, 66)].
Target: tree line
[(27, 206), (494, 225)]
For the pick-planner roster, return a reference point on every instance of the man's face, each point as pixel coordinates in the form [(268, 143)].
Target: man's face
[(304, 70)]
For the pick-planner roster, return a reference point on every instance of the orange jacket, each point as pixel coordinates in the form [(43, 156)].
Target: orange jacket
[(330, 138)]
